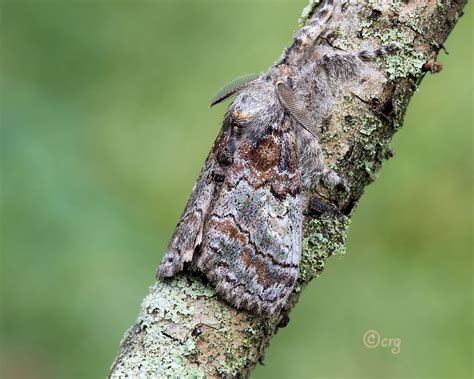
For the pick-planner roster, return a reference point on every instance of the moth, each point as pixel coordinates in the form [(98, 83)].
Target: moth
[(242, 224)]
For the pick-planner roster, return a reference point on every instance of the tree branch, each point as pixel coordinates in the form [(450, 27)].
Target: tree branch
[(184, 329)]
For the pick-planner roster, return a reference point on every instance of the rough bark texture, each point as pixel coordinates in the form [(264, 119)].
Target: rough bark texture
[(183, 328)]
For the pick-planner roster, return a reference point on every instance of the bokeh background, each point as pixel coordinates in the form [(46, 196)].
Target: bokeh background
[(105, 126)]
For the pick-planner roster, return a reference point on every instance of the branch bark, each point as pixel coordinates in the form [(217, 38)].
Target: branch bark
[(184, 329)]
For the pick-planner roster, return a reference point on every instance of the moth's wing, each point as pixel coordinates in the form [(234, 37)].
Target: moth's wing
[(188, 232), (251, 242)]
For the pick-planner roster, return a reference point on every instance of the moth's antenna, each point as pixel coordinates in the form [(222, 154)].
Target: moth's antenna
[(233, 87), (294, 107)]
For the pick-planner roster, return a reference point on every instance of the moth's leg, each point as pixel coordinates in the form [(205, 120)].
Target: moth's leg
[(312, 164), (309, 33), (313, 168), (370, 55), (317, 86), (343, 67)]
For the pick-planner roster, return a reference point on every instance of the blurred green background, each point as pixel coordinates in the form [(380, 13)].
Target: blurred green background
[(105, 126)]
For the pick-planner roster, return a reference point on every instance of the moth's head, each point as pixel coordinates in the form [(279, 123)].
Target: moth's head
[(257, 103)]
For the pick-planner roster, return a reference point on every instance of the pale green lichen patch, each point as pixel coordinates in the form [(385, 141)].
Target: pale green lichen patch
[(233, 368), (396, 5), (157, 355), (163, 330), (406, 61), (324, 236), (373, 139), (171, 304), (443, 5), (369, 124), (413, 19), (405, 65), (151, 359)]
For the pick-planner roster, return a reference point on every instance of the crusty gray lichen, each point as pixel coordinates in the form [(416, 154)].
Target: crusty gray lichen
[(165, 324)]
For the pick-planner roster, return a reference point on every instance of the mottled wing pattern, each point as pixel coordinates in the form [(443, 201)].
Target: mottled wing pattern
[(188, 232), (251, 239)]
